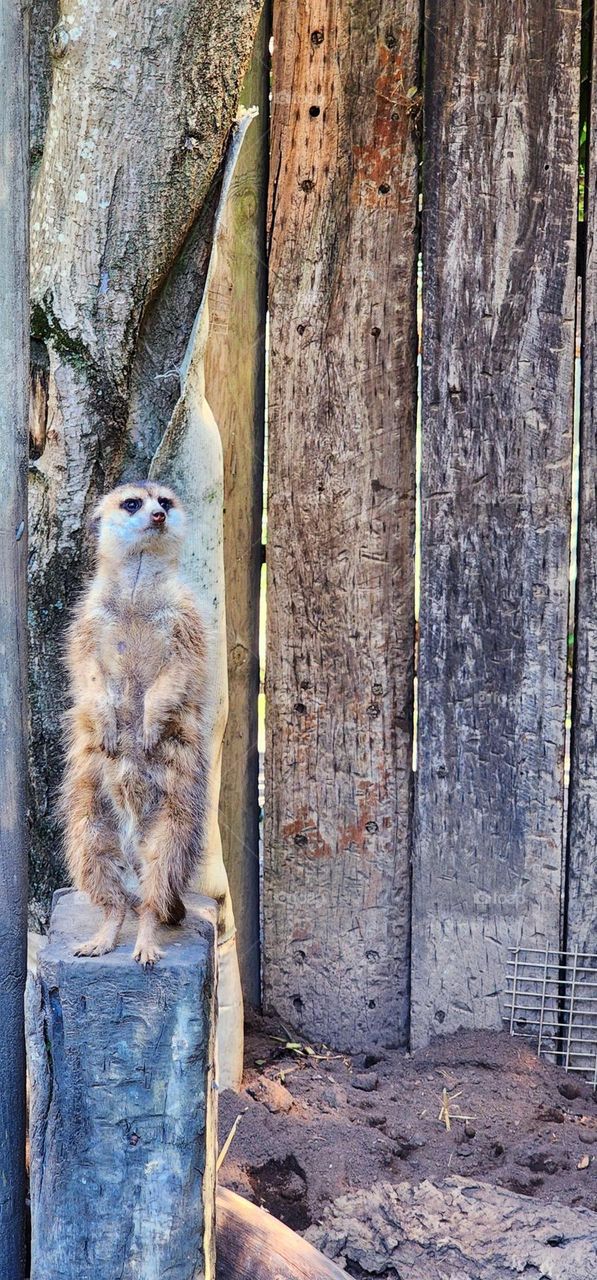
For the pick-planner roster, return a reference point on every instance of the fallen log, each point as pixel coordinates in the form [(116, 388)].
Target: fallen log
[(461, 1230), (252, 1245)]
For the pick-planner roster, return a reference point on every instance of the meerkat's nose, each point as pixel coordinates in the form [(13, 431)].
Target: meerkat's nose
[(158, 517)]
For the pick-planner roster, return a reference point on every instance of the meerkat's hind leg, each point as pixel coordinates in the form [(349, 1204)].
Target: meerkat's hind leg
[(106, 937), (94, 855), (147, 952), (165, 852)]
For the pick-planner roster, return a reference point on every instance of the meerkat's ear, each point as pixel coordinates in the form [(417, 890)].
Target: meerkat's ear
[(93, 524), (95, 519)]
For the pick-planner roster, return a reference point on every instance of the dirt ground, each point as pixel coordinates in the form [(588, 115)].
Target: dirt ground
[(314, 1127)]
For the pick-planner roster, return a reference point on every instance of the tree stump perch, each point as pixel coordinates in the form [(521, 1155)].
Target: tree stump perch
[(122, 1125)]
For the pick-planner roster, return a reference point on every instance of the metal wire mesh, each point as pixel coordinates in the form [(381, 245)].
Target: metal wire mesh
[(552, 998)]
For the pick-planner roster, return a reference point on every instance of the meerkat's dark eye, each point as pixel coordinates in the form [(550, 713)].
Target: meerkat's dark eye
[(131, 505), (165, 503)]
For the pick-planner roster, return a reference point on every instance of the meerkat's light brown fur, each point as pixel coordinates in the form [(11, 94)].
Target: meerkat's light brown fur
[(133, 796)]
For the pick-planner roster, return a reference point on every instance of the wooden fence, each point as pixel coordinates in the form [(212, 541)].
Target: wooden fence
[(390, 898)]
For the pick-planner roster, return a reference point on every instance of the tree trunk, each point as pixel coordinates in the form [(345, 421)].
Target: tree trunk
[(14, 360), (123, 217)]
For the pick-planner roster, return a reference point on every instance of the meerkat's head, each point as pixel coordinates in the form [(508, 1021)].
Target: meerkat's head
[(140, 517)]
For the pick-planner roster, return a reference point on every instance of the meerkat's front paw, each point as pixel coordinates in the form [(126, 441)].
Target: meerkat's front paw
[(110, 738), (147, 953), (151, 733)]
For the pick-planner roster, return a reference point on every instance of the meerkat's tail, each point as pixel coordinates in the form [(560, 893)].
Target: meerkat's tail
[(176, 910)]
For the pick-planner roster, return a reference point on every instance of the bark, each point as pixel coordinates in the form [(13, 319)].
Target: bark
[(460, 1230), (343, 230), (43, 18), (141, 105), (14, 361), (500, 208)]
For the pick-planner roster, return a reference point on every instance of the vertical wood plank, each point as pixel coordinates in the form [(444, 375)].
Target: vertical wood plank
[(235, 389), (14, 408), (343, 228), (500, 207), (581, 922)]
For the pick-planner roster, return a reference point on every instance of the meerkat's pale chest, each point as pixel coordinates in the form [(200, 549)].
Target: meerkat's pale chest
[(133, 646)]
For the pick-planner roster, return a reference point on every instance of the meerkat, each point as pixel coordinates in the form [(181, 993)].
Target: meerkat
[(133, 794)]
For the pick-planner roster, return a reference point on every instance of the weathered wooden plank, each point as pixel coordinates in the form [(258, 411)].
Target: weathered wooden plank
[(581, 922), (123, 1140), (190, 457), (343, 227), (14, 370), (235, 389), (499, 298)]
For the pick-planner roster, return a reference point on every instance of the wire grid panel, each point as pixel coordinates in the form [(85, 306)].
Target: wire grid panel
[(552, 998)]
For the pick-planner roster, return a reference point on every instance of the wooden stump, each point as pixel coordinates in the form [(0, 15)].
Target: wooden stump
[(122, 1123)]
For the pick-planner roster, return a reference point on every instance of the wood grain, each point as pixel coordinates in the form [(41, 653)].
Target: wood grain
[(581, 918), (253, 1245), (343, 230), (499, 301), (14, 400), (235, 389)]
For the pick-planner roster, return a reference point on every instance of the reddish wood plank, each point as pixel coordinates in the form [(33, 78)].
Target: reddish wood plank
[(343, 228)]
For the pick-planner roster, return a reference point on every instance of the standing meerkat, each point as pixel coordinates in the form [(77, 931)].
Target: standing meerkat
[(133, 795)]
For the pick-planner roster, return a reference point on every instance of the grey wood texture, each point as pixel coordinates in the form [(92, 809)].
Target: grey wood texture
[(581, 921), (252, 1245), (14, 375), (342, 396), (235, 390), (499, 246), (461, 1230), (132, 132), (122, 1103)]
